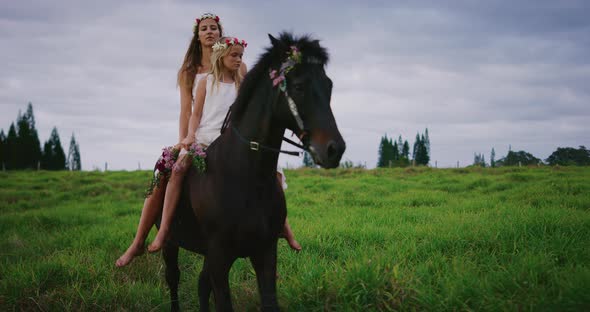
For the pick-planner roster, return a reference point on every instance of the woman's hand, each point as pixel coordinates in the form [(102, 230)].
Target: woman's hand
[(188, 141)]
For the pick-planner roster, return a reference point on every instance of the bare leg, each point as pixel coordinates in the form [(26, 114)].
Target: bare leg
[(170, 201), (149, 213), (288, 235), (287, 232)]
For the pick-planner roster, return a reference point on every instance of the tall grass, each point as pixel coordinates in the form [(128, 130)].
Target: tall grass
[(386, 239)]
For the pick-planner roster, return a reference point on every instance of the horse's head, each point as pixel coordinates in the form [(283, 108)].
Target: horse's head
[(304, 104)]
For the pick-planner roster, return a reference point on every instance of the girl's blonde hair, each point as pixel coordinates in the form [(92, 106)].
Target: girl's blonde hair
[(217, 63)]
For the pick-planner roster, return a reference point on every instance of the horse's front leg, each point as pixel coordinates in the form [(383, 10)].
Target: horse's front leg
[(170, 254), (204, 288), (265, 265), (218, 265)]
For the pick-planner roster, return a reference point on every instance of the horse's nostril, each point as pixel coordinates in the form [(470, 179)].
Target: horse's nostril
[(332, 150)]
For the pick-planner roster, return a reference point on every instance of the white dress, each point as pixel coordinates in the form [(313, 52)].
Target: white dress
[(218, 100), (198, 78)]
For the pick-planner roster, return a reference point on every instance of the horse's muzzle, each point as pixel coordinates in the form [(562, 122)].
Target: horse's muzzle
[(328, 154)]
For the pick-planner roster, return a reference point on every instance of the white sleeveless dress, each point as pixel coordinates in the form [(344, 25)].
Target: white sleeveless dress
[(218, 99), (198, 78)]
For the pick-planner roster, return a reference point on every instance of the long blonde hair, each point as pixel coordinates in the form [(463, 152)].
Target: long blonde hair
[(217, 64)]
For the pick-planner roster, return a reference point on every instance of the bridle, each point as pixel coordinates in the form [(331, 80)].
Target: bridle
[(279, 79)]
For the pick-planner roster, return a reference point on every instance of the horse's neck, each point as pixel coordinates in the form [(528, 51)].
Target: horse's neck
[(257, 124)]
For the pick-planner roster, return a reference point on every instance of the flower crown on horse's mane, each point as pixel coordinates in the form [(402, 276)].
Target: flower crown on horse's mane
[(278, 77), (222, 45), (204, 17)]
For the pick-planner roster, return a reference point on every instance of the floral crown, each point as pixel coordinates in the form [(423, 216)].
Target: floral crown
[(204, 17), (278, 76), (222, 45)]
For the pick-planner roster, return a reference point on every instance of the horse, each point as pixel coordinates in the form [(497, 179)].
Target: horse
[(236, 208)]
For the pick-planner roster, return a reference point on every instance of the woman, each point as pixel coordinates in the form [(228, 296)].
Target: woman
[(196, 65)]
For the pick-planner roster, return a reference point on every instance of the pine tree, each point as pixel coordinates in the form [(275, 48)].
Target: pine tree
[(400, 145), (54, 157), (3, 150), (74, 161), (34, 145), (28, 147), (405, 161), (493, 158), (11, 146), (386, 152), (308, 160), (395, 152), (422, 157), (427, 142), (382, 147), (406, 150), (416, 147)]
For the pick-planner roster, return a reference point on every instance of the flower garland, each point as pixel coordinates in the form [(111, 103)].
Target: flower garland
[(166, 162), (278, 78), (229, 41), (203, 17)]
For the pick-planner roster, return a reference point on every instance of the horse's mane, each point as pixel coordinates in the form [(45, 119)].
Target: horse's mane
[(272, 58)]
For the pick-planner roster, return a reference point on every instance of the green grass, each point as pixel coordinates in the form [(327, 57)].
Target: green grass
[(388, 239)]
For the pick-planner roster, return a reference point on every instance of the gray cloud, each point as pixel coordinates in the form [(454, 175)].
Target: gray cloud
[(478, 75)]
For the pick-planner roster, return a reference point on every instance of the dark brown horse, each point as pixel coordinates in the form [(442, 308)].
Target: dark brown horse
[(236, 208)]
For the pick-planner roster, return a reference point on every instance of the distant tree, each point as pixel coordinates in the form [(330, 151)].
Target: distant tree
[(346, 164), (567, 156), (416, 146), (518, 158), (386, 152), (479, 160), (406, 150), (11, 148), (3, 150), (73, 160), (427, 142), (395, 152), (421, 156), (54, 157), (380, 157), (493, 158), (28, 147), (308, 160), (400, 145)]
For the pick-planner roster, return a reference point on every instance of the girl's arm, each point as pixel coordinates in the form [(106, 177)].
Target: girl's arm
[(195, 119), (186, 99)]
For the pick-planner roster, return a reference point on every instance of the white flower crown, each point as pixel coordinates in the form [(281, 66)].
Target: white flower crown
[(229, 41)]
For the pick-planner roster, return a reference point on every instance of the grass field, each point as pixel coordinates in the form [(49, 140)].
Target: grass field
[(506, 239)]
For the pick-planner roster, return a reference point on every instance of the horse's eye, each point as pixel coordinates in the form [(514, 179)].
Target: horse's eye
[(298, 87)]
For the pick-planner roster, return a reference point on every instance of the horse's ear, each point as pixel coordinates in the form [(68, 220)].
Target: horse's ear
[(274, 41)]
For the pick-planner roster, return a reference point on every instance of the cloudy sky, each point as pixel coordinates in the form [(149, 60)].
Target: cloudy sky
[(477, 74)]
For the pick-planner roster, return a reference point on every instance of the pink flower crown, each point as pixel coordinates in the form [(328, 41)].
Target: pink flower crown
[(222, 45), (204, 17)]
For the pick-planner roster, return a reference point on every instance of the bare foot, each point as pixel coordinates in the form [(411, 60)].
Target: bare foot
[(293, 243), (132, 252), (158, 242)]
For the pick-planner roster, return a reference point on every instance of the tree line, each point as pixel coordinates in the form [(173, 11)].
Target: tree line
[(21, 148), (563, 156), (396, 153)]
